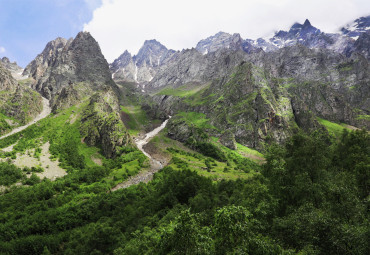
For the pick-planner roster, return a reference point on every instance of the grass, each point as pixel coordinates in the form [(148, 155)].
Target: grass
[(196, 119), (197, 164), (25, 81), (135, 119), (363, 117), (195, 161), (186, 90), (334, 129)]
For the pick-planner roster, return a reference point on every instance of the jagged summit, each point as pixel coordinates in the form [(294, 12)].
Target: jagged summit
[(306, 23), (357, 27), (13, 67), (219, 41), (123, 60), (307, 35), (64, 62), (143, 66), (152, 53), (299, 30)]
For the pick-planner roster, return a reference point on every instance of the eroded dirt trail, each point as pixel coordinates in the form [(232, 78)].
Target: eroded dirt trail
[(46, 110)]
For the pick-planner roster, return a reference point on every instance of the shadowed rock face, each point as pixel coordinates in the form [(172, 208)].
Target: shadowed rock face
[(65, 62), (101, 125)]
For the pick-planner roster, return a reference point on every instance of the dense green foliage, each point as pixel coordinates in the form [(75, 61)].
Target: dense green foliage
[(310, 198), (9, 174)]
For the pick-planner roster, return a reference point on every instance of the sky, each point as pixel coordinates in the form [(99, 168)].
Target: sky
[(27, 25)]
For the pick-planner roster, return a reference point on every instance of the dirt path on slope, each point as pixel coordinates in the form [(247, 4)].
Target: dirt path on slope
[(46, 110)]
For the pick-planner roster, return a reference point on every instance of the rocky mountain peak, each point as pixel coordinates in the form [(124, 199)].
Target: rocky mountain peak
[(299, 31), (357, 27), (64, 62), (123, 60), (306, 24), (143, 66), (37, 67), (5, 60), (218, 41), (13, 67), (151, 53)]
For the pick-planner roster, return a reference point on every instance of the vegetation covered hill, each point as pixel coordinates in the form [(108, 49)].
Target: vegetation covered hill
[(305, 191), (310, 197)]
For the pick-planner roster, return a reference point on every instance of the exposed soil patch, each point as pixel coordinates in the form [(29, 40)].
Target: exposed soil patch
[(52, 170), (73, 118), (157, 153), (97, 160), (259, 160), (9, 148)]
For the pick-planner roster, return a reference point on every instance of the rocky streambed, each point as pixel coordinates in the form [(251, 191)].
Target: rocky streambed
[(155, 165)]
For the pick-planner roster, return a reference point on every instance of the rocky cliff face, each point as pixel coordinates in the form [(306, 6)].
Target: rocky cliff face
[(17, 101), (218, 41), (101, 124), (66, 62), (192, 67), (263, 97), (304, 34), (362, 44), (143, 66), (223, 40), (13, 67), (7, 82), (309, 36), (49, 55), (357, 27)]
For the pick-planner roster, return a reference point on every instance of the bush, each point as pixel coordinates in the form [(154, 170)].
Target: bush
[(34, 179), (9, 174), (210, 150)]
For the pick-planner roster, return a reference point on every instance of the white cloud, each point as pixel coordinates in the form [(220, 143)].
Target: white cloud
[(121, 24), (2, 50)]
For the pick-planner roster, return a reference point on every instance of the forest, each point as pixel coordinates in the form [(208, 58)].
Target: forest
[(311, 196)]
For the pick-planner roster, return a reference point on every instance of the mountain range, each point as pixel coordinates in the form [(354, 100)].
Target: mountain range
[(350, 38), (284, 82), (235, 146)]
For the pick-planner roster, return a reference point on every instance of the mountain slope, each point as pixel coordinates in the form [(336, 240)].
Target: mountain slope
[(74, 72), (18, 103), (263, 97)]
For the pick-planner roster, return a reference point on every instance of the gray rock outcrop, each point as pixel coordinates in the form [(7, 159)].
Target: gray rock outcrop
[(66, 62)]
